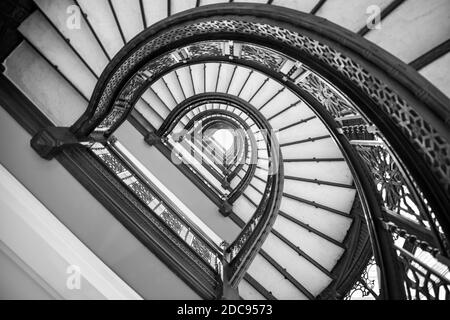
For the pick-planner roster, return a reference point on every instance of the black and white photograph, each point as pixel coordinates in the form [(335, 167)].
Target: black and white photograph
[(243, 152)]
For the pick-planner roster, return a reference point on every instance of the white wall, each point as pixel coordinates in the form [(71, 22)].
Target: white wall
[(86, 218), (177, 182), (46, 251), (18, 281)]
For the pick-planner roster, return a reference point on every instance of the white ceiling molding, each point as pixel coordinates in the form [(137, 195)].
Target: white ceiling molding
[(50, 250)]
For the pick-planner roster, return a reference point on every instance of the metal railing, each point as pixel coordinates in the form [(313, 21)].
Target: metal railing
[(402, 165)]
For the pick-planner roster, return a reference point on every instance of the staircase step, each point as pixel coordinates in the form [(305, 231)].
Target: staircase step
[(280, 287), (33, 75), (82, 40), (340, 199), (329, 223), (322, 149), (324, 252), (129, 17), (39, 32), (104, 25), (429, 24)]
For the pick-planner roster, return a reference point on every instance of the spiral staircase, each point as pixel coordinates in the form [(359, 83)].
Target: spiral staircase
[(321, 181)]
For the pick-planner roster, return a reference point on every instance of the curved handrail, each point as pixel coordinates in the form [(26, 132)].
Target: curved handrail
[(206, 124), (241, 143), (237, 192), (251, 237), (298, 36), (411, 115)]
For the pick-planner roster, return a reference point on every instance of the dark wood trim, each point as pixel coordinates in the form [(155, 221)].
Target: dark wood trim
[(240, 223), (229, 83), (192, 80), (431, 56), (208, 192), (319, 182), (284, 110), (122, 205), (250, 200), (287, 275), (318, 6), (271, 98), (297, 123), (258, 287), (355, 258), (170, 91), (243, 85), (21, 108), (316, 160), (303, 254), (311, 229), (204, 77), (287, 144), (12, 14), (321, 115), (259, 89), (411, 227), (316, 205), (429, 103), (179, 83), (142, 125), (256, 189), (93, 31), (88, 171), (144, 19), (296, 249), (384, 13), (117, 21)]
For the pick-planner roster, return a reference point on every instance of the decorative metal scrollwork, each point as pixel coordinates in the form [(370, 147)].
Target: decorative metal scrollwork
[(398, 191), (390, 182), (421, 281), (423, 135), (204, 49), (157, 205), (260, 55), (366, 287), (324, 93)]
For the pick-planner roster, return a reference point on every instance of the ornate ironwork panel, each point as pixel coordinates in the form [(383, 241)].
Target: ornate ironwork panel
[(149, 198), (398, 192), (367, 286), (327, 96), (435, 150), (423, 282), (261, 55), (391, 183)]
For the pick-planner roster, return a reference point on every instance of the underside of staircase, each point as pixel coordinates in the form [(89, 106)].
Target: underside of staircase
[(241, 153)]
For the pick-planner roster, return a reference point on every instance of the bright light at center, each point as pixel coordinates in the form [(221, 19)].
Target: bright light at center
[(224, 137)]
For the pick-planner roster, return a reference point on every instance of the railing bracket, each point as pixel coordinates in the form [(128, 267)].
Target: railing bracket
[(50, 141), (226, 209)]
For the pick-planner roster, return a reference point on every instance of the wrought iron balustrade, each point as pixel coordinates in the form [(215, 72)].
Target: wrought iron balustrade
[(391, 124), (163, 207)]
